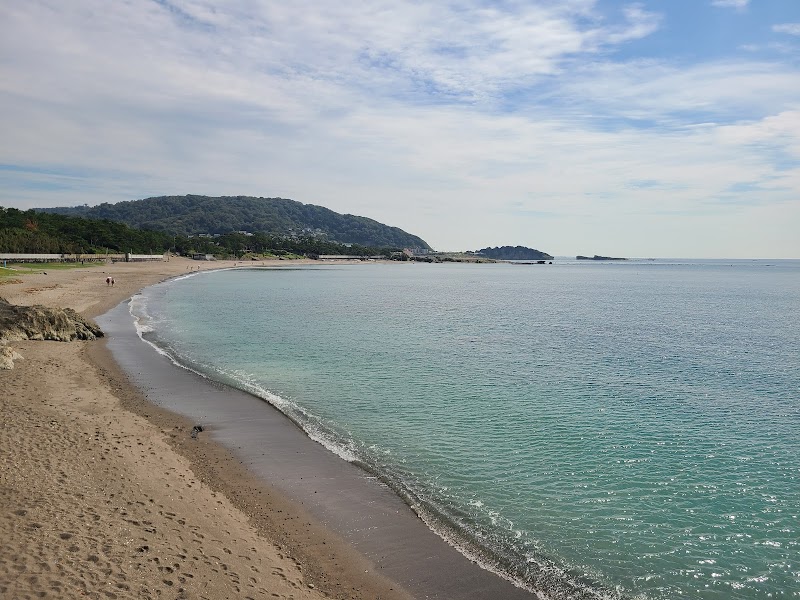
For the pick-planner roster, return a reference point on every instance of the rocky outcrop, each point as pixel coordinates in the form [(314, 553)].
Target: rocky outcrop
[(43, 323)]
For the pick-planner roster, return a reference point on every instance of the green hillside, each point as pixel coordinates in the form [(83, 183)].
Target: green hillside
[(193, 215), (42, 233), (37, 232)]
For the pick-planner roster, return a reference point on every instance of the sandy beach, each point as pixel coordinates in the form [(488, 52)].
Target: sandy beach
[(103, 495)]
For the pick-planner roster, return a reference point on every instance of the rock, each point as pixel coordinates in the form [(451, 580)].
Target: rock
[(43, 323), (7, 357)]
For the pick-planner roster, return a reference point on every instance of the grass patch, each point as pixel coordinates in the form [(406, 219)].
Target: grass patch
[(17, 269)]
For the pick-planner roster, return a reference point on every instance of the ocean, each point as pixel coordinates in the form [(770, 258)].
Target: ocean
[(594, 429)]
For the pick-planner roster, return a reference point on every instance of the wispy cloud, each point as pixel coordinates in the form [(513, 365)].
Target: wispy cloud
[(730, 3), (464, 123), (663, 95), (790, 28)]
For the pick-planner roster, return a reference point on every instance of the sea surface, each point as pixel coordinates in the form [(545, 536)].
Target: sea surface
[(592, 429)]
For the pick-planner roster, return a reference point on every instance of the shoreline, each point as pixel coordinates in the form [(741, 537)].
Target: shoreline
[(302, 537), (102, 495)]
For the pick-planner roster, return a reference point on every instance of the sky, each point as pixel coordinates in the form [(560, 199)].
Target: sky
[(659, 128)]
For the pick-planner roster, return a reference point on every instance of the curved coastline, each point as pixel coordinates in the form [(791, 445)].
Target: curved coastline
[(104, 490), (346, 498), (96, 386), (440, 522), (529, 573), (446, 524)]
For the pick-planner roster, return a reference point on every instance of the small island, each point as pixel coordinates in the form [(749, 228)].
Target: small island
[(598, 257), (513, 253)]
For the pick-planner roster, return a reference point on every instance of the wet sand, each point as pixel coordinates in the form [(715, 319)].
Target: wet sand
[(106, 490)]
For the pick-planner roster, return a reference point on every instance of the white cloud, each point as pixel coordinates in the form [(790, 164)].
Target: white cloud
[(790, 28), (400, 112), (656, 93), (730, 3), (776, 131), (640, 24), (471, 50)]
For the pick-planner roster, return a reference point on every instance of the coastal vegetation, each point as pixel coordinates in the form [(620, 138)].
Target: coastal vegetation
[(237, 227), (34, 231), (194, 215)]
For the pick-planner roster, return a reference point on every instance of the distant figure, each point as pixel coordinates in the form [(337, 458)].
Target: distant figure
[(112, 282), (108, 280)]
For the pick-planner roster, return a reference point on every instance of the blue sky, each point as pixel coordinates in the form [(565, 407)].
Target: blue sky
[(656, 128)]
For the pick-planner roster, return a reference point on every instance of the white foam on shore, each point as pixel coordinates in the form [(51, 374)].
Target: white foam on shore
[(311, 424), (144, 323), (137, 307), (308, 422)]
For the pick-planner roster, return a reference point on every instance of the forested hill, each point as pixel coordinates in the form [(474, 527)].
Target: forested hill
[(31, 232), (36, 232), (193, 215)]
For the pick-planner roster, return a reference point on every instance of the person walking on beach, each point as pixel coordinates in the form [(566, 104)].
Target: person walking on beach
[(108, 280), (112, 282)]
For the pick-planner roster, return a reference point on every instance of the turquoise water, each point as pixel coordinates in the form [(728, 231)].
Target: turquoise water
[(610, 430)]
